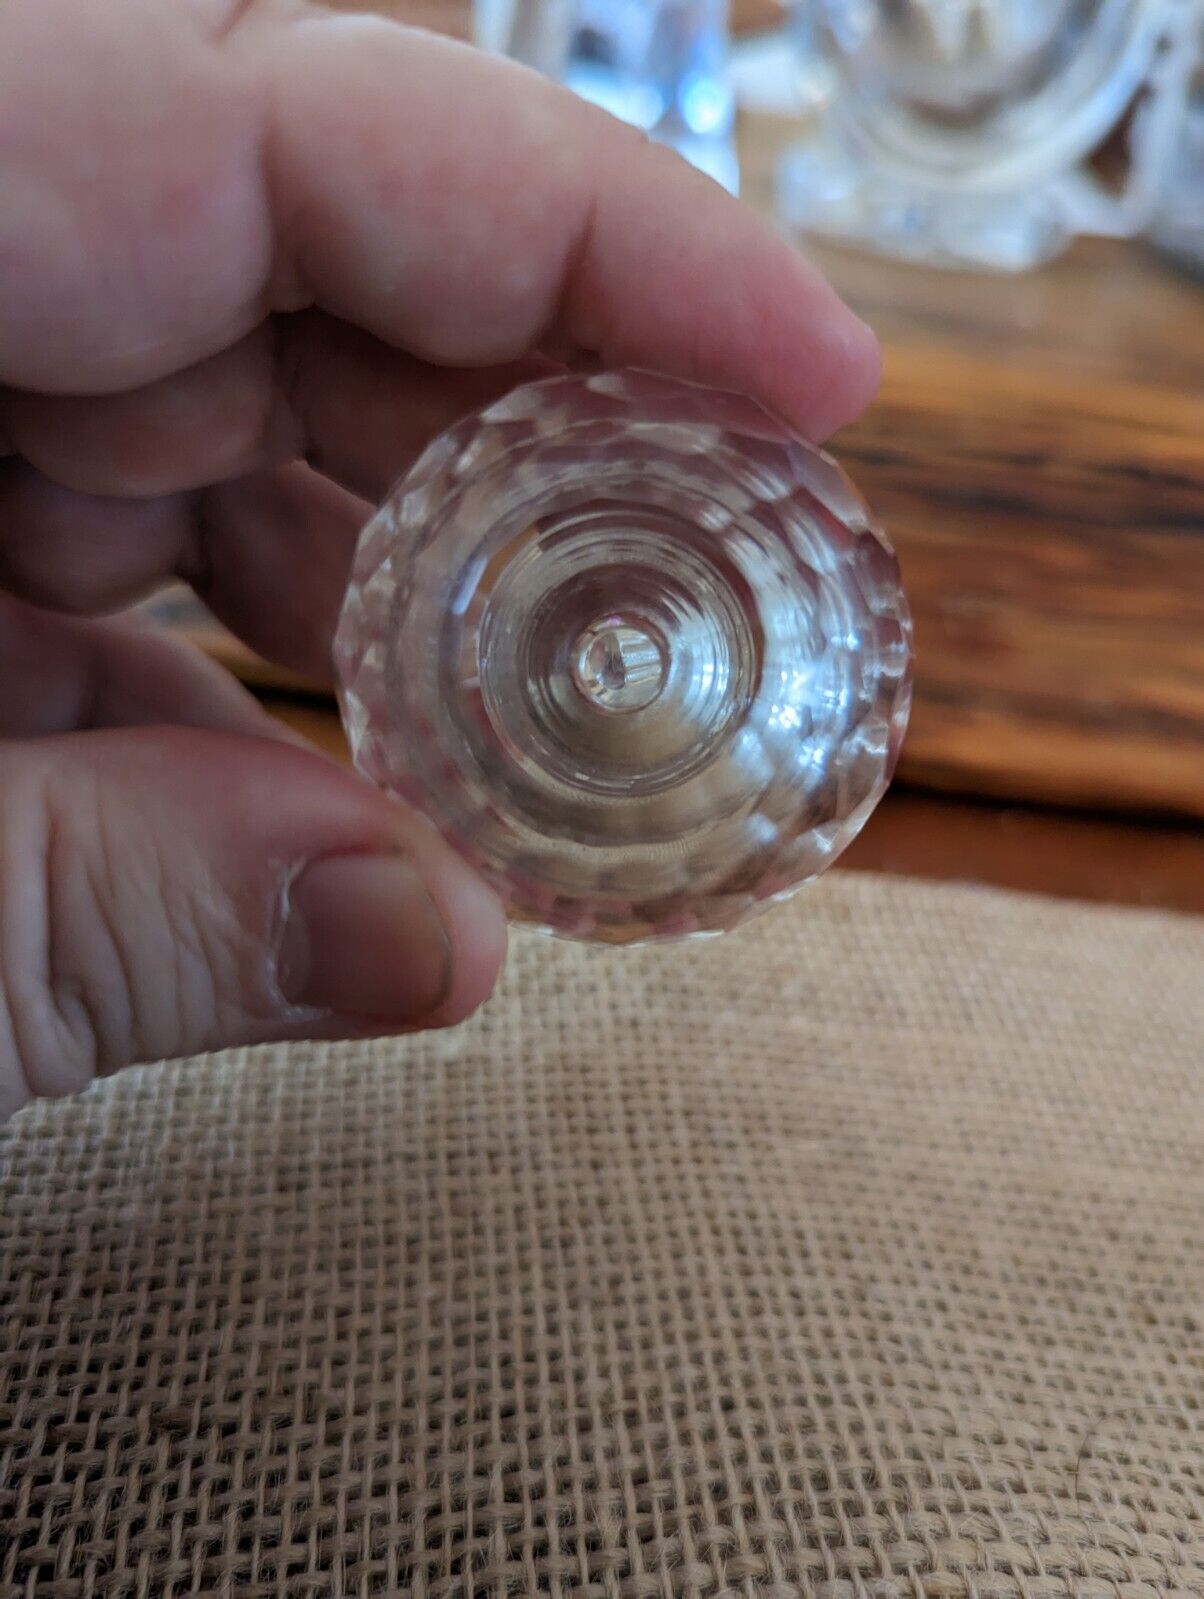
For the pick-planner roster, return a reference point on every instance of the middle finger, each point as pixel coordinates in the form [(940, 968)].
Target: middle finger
[(305, 385)]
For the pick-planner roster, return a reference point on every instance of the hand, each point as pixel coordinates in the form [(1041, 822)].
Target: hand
[(252, 257)]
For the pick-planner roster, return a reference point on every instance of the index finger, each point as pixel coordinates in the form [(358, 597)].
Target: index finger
[(470, 211)]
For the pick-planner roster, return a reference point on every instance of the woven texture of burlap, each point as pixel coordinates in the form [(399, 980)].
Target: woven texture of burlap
[(858, 1254)]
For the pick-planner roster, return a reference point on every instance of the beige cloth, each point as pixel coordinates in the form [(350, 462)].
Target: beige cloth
[(859, 1254)]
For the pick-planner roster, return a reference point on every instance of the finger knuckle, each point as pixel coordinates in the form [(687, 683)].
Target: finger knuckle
[(117, 954)]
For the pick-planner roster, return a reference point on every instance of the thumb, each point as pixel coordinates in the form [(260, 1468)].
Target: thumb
[(165, 891)]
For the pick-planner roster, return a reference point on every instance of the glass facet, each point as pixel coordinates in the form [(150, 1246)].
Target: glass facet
[(639, 654)]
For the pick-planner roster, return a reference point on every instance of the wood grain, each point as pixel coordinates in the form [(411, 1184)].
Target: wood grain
[(1052, 542), (1033, 850), (1037, 455)]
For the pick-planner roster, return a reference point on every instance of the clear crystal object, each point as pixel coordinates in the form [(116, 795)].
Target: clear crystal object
[(638, 653), (1174, 150), (958, 131), (660, 65)]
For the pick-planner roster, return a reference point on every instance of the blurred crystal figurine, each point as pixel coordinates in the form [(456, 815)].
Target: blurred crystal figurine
[(958, 131), (660, 65), (1170, 142), (640, 655)]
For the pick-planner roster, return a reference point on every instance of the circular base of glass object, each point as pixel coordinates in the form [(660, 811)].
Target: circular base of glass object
[(640, 655)]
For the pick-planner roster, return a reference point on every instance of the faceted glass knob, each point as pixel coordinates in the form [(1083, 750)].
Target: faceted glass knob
[(638, 653)]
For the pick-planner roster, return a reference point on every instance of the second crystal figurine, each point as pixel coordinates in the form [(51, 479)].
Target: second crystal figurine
[(639, 654)]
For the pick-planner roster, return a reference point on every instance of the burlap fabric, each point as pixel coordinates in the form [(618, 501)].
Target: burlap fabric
[(861, 1254)]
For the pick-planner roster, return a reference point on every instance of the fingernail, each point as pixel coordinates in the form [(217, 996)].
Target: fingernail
[(362, 938)]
